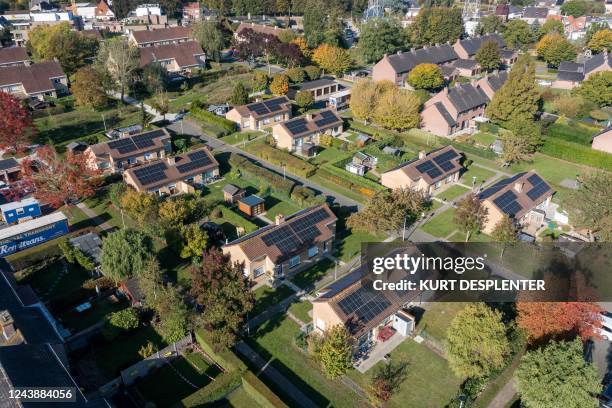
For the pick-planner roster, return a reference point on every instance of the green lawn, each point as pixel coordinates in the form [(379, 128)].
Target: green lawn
[(484, 139), (478, 172), (112, 357), (240, 399), (230, 220), (551, 169), (479, 237), (452, 192), (56, 281), (329, 155), (441, 225), (192, 367), (301, 309), (437, 318), (276, 206), (349, 246), (427, 381), (240, 137), (307, 279), (266, 297), (101, 205), (77, 321), (274, 340)]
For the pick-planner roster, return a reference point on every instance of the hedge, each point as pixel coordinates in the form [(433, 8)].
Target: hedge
[(222, 126), (329, 173), (306, 197), (571, 133), (577, 153), (214, 391), (279, 157), (222, 356), (32, 256), (257, 174), (260, 392)]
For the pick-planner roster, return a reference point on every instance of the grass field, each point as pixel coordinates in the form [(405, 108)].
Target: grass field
[(56, 281), (266, 297), (437, 318), (77, 321), (101, 205), (349, 245), (481, 175), (452, 192), (301, 309), (307, 279), (441, 225)]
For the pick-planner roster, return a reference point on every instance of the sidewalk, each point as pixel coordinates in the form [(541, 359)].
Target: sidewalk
[(96, 219)]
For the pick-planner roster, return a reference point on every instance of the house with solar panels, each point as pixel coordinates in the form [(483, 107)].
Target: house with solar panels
[(288, 246), (524, 197), (120, 154), (300, 134), (178, 174), (260, 115), (428, 173)]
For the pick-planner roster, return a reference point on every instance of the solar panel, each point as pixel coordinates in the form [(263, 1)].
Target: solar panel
[(274, 104), (197, 160), (445, 157), (507, 203), (364, 304), (259, 108), (434, 172), (151, 174), (425, 166), (447, 165), (327, 118), (122, 145), (534, 179), (513, 208), (296, 126), (538, 191), (144, 140), (273, 237)]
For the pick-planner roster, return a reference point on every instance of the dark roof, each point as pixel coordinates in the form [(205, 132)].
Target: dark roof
[(325, 81), (11, 55), (497, 80), (90, 244), (570, 76), (184, 54), (231, 189), (35, 78), (466, 96), (472, 45), (404, 62), (252, 200), (535, 12), (448, 118), (132, 145), (268, 107), (576, 71), (133, 287), (465, 64), (9, 163), (304, 125), (436, 165), (162, 34), (259, 28)]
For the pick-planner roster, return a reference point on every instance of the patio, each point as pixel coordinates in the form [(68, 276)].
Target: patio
[(378, 352)]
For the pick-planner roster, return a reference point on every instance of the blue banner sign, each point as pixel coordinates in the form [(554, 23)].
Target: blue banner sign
[(31, 233)]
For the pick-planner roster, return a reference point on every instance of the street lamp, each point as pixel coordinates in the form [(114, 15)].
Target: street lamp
[(473, 181)]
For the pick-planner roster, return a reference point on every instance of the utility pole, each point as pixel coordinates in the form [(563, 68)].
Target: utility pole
[(404, 230)]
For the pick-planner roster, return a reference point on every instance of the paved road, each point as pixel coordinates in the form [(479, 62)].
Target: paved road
[(191, 128), (275, 376)]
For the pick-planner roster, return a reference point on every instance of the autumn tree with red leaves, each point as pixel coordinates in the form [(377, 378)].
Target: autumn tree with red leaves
[(16, 126), (60, 180), (544, 321)]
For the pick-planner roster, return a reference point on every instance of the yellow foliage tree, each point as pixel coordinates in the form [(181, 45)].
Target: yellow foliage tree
[(279, 85), (301, 43), (397, 109), (140, 206), (365, 96), (332, 59), (601, 41)]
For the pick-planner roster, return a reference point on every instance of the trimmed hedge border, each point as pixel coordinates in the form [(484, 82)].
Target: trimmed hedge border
[(260, 392), (577, 153), (215, 391), (225, 126), (257, 174), (224, 356), (279, 157)]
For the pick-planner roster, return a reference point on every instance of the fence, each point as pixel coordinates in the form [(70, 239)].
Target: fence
[(144, 367)]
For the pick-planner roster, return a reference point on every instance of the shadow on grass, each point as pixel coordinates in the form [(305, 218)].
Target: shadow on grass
[(270, 299)]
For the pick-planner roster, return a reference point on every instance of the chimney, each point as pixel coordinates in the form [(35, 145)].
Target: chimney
[(518, 186), (279, 219), (309, 117), (171, 160), (7, 325), (399, 52), (445, 91), (422, 154)]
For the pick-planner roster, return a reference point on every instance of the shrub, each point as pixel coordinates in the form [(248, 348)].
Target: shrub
[(296, 75), (216, 213), (313, 72), (257, 175), (83, 260), (67, 250), (577, 153), (221, 355), (214, 391), (126, 319), (570, 132), (260, 392), (147, 350), (221, 126), (116, 192), (598, 114), (279, 157)]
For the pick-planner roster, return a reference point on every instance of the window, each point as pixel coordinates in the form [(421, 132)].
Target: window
[(148, 156), (258, 271), (320, 324), (266, 121), (326, 246), (312, 251), (19, 211), (295, 261), (278, 118)]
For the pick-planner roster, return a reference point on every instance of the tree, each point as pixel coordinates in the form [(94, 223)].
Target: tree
[(386, 381), (151, 282), (260, 81), (489, 55), (322, 24), (519, 95), (332, 59), (489, 25), (597, 88), (436, 25), (388, 211), (575, 8), (313, 72), (426, 76), (398, 109), (593, 28), (379, 37), (545, 321), (518, 34), (279, 85), (154, 77), (554, 49), (301, 43), (87, 89), (528, 131), (601, 41), (296, 75), (59, 41), (120, 59), (60, 180), (365, 96), (16, 125), (505, 230), (589, 206), (568, 105), (240, 96), (161, 104), (558, 376), (173, 315), (470, 215), (173, 213), (141, 206), (336, 352), (210, 37), (126, 319), (476, 341), (194, 241), (551, 26), (225, 295), (125, 253), (515, 148), (304, 100)]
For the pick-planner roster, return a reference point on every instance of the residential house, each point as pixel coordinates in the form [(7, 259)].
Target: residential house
[(533, 14), (454, 109), (23, 22), (492, 83), (160, 36), (260, 115), (34, 81), (320, 89), (252, 205), (93, 11), (603, 141), (258, 28), (306, 130), (120, 154), (340, 99), (467, 48), (192, 12), (395, 67), (502, 11), (466, 67), (575, 27), (181, 57), (428, 173), (146, 16), (14, 56), (10, 170), (523, 197), (175, 174), (571, 74), (508, 57), (286, 247)]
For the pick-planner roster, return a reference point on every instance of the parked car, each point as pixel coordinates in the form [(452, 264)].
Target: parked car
[(606, 326)]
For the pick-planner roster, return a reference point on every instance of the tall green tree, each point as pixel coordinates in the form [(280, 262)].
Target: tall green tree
[(489, 25), (601, 41), (597, 88), (551, 26), (336, 352), (505, 232), (125, 253), (518, 97), (304, 100), (489, 55), (260, 81), (120, 60), (575, 8), (554, 48), (470, 215), (379, 37), (558, 376), (590, 206), (224, 292), (436, 25), (518, 34), (210, 36), (476, 341), (240, 95), (173, 315), (398, 109)]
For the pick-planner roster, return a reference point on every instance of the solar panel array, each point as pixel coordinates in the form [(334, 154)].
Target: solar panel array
[(197, 160), (327, 117), (133, 143), (364, 304), (443, 161), (507, 203), (430, 168), (267, 107), (151, 174), (498, 186), (539, 187), (288, 238), (297, 126)]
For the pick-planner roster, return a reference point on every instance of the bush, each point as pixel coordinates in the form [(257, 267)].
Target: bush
[(83, 260), (221, 126), (306, 197), (577, 153), (280, 157), (126, 319), (216, 213), (116, 192), (598, 114), (341, 177), (259, 392), (67, 250), (570, 132), (313, 72), (296, 75), (259, 175)]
